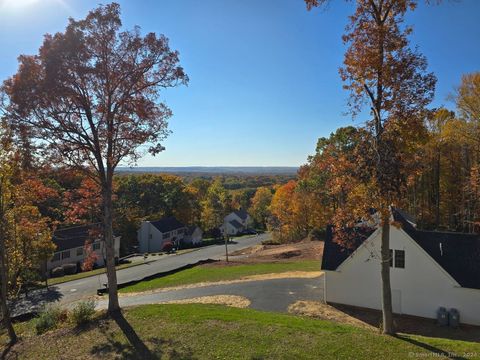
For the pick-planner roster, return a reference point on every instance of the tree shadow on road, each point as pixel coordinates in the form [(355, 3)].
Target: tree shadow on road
[(27, 306)]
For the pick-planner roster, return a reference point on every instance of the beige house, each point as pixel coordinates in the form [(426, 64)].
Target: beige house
[(70, 244)]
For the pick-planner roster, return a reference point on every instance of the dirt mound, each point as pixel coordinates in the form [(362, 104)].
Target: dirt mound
[(228, 300), (326, 312), (288, 254), (304, 250)]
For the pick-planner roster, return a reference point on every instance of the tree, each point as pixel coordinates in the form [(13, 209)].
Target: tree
[(91, 97), (90, 256), (382, 71), (83, 204), (260, 208), (284, 222), (215, 206), (5, 232)]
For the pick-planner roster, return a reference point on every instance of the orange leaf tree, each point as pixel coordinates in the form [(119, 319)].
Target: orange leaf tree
[(382, 71), (91, 97)]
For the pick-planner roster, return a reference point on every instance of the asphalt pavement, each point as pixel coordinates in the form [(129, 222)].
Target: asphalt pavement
[(77, 289), (266, 295)]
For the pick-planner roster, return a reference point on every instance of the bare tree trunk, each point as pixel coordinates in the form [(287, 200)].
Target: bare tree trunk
[(387, 312), (437, 191), (3, 293), (113, 305)]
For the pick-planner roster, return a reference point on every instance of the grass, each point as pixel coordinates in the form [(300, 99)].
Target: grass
[(81, 275), (217, 332), (213, 273)]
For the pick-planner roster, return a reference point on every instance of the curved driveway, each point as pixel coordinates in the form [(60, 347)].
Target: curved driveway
[(267, 295)]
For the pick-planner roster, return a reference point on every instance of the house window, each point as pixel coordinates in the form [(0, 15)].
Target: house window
[(65, 254), (56, 257), (150, 236), (79, 251), (391, 258), (96, 246), (400, 259), (166, 235), (180, 232)]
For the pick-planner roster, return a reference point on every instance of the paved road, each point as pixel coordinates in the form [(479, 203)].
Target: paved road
[(78, 289), (266, 295)]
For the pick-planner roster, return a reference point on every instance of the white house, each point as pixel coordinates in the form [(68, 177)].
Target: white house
[(236, 222), (70, 244), (428, 270), (193, 235), (152, 235)]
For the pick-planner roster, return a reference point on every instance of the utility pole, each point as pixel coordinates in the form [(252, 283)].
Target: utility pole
[(226, 245)]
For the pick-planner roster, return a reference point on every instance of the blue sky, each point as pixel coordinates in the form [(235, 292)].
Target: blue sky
[(264, 81)]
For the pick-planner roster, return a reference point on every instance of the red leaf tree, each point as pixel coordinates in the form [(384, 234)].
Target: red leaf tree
[(91, 98)]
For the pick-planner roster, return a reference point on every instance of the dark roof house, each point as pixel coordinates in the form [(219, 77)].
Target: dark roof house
[(167, 224), (191, 229), (457, 253), (242, 214), (75, 236), (236, 224)]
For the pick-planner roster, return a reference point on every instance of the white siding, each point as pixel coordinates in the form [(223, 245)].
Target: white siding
[(150, 239), (418, 289), (195, 238)]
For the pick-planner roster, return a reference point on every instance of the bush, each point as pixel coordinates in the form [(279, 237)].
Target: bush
[(69, 269), (167, 247), (57, 272), (49, 318), (317, 235), (83, 312)]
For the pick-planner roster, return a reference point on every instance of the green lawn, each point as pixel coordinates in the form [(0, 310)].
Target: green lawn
[(81, 275), (217, 332), (213, 273)]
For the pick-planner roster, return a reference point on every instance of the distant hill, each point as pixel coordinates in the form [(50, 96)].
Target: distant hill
[(219, 170)]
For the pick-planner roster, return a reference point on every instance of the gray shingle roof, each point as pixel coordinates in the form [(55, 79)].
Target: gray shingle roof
[(242, 214), (167, 224), (236, 224), (75, 236)]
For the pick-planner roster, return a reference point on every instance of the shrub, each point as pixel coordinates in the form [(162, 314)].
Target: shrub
[(83, 312), (317, 235), (69, 269), (48, 318), (167, 247), (57, 272)]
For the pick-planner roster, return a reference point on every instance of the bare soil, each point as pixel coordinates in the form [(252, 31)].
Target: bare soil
[(371, 319), (228, 300), (303, 250)]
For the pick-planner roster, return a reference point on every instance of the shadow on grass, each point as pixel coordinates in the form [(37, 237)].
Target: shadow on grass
[(432, 350), (413, 325), (135, 348), (6, 351), (26, 307)]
